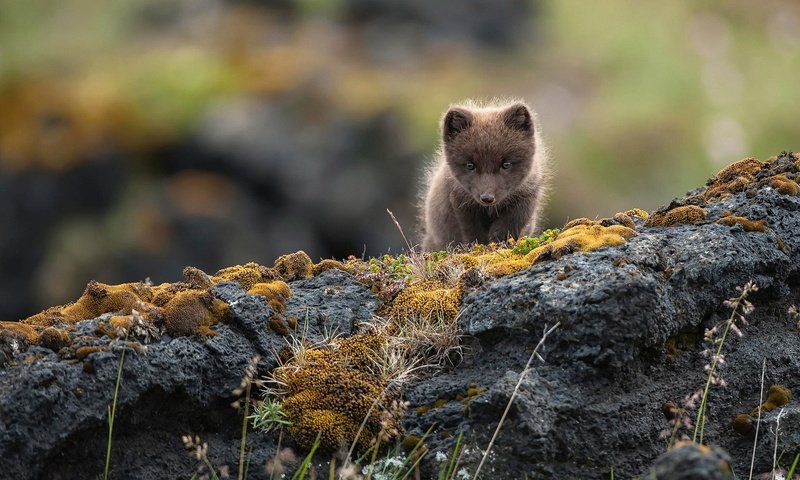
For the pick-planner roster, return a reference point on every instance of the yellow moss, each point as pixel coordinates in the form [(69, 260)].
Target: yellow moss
[(246, 275), (638, 212), (83, 352), (582, 238), (733, 178), (30, 332), (276, 292), (777, 396), (439, 403), (191, 309), (743, 423), (295, 266), (624, 220), (328, 264), (746, 223), (423, 409), (197, 278), (121, 322), (578, 221), (54, 338), (331, 390), (277, 325), (425, 300), (97, 299), (687, 214), (784, 185), (475, 390)]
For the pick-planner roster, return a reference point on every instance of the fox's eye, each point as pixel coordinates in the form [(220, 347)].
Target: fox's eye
[(506, 165), (469, 166)]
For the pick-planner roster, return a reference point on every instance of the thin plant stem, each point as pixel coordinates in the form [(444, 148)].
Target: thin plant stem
[(513, 395), (113, 409), (758, 420), (243, 442)]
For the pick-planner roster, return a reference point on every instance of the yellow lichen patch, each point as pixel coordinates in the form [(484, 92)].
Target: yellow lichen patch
[(295, 266), (54, 338), (330, 391), (746, 223), (733, 178), (29, 332), (784, 185), (686, 214), (328, 264), (276, 292), (246, 275), (191, 309), (425, 300)]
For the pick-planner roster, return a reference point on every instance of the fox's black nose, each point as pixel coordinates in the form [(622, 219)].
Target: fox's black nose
[(487, 198)]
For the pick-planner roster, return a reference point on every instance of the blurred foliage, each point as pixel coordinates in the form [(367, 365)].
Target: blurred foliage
[(639, 102)]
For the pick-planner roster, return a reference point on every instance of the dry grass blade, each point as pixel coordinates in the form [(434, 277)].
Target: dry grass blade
[(535, 354), (758, 420)]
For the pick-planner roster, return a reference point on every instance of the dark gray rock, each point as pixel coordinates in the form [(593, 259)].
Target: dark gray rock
[(632, 320), (53, 411)]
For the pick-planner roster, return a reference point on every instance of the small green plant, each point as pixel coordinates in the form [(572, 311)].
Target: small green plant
[(525, 245), (790, 474), (268, 416), (448, 470), (244, 388), (300, 474), (112, 410)]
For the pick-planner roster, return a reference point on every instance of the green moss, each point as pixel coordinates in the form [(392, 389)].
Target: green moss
[(525, 245)]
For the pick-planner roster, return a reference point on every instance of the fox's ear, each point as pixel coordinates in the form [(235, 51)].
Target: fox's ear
[(455, 121), (518, 117)]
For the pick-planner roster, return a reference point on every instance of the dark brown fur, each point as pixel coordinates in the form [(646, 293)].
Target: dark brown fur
[(489, 179)]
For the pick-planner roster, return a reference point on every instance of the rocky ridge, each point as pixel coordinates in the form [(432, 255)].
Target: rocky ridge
[(633, 295)]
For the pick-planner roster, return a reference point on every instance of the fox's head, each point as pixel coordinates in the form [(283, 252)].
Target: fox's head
[(489, 151)]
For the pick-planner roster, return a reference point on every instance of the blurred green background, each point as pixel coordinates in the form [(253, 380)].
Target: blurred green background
[(137, 137)]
